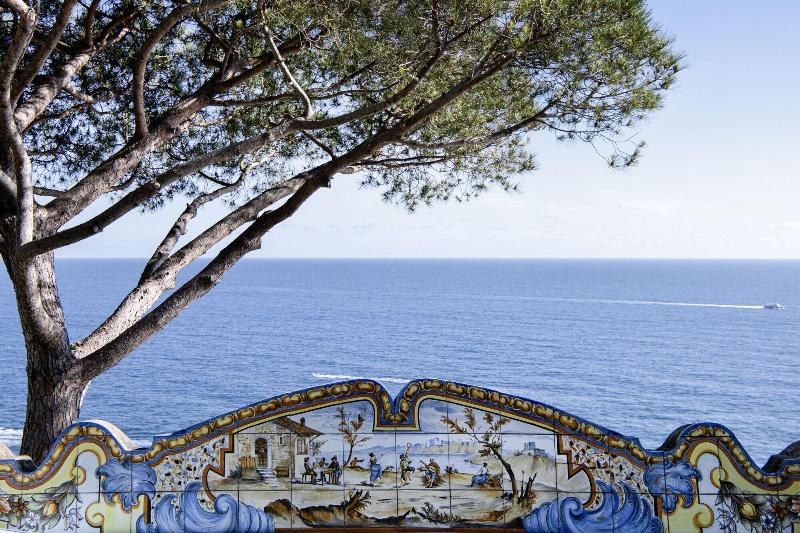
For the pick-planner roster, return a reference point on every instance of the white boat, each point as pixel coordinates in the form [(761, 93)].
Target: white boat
[(773, 306)]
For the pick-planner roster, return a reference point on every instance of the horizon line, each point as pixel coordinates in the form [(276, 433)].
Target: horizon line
[(422, 258)]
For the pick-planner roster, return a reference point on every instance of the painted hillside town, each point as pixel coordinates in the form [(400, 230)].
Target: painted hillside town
[(441, 455)]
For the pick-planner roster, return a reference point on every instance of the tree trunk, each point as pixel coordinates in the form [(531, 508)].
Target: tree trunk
[(53, 404), (54, 383), (509, 470)]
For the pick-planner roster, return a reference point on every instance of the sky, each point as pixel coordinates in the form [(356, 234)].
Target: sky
[(718, 178)]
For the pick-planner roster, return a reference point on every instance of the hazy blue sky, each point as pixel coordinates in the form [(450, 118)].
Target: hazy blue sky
[(719, 177)]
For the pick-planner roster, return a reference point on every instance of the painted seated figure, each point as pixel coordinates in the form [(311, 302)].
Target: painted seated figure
[(321, 469), (374, 468), (309, 470), (481, 477)]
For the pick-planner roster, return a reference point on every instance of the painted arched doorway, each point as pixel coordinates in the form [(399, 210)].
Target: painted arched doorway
[(262, 451)]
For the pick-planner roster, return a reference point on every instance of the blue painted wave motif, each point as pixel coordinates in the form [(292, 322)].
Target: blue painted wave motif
[(189, 516), (126, 479), (670, 480), (634, 515)]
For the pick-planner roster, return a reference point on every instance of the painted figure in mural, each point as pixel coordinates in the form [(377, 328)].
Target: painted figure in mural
[(405, 470), (335, 470), (309, 470), (320, 469), (405, 466), (480, 479), (432, 473), (374, 469)]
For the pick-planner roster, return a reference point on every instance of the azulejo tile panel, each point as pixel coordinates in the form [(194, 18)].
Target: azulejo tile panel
[(440, 455)]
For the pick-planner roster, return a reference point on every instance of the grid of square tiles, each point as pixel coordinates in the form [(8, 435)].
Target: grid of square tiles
[(383, 497)]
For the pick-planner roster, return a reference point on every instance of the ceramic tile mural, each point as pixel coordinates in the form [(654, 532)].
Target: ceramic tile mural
[(439, 456)]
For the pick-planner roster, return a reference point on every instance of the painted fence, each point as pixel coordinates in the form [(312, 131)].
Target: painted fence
[(440, 455)]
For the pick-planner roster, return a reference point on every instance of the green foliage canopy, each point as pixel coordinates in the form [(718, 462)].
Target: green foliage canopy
[(587, 69)]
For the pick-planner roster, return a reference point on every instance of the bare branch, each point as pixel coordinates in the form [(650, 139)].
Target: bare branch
[(206, 176), (44, 50), (324, 147), (46, 191), (178, 229), (8, 186), (290, 47), (309, 109), (136, 197), (9, 133), (51, 86), (101, 360), (147, 292), (48, 89), (137, 85), (401, 162), (91, 15)]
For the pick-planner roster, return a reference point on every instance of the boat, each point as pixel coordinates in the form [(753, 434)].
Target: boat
[(773, 306)]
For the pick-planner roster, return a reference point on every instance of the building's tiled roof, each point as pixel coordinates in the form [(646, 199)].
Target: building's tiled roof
[(295, 427)]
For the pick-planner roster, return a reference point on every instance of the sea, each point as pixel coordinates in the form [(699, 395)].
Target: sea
[(638, 346)]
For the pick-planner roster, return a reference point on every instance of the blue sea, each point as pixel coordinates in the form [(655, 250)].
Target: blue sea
[(640, 347)]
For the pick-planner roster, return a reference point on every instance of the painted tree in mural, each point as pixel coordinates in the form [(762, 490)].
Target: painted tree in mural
[(350, 426), (487, 437), (260, 104), (315, 445)]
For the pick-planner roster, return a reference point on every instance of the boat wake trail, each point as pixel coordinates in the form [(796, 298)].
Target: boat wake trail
[(654, 302), (344, 376)]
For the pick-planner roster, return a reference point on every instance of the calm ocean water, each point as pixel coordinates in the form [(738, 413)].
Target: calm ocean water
[(622, 343)]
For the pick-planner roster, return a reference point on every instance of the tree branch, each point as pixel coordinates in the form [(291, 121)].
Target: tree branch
[(321, 145), (378, 107), (91, 15), (100, 180), (8, 186), (290, 47), (226, 226), (90, 187), (146, 293), (51, 86), (44, 50), (170, 124), (110, 355), (48, 89), (110, 343), (465, 84), (47, 191), (309, 109), (136, 197), (9, 133), (137, 85), (481, 140), (138, 301), (178, 229)]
